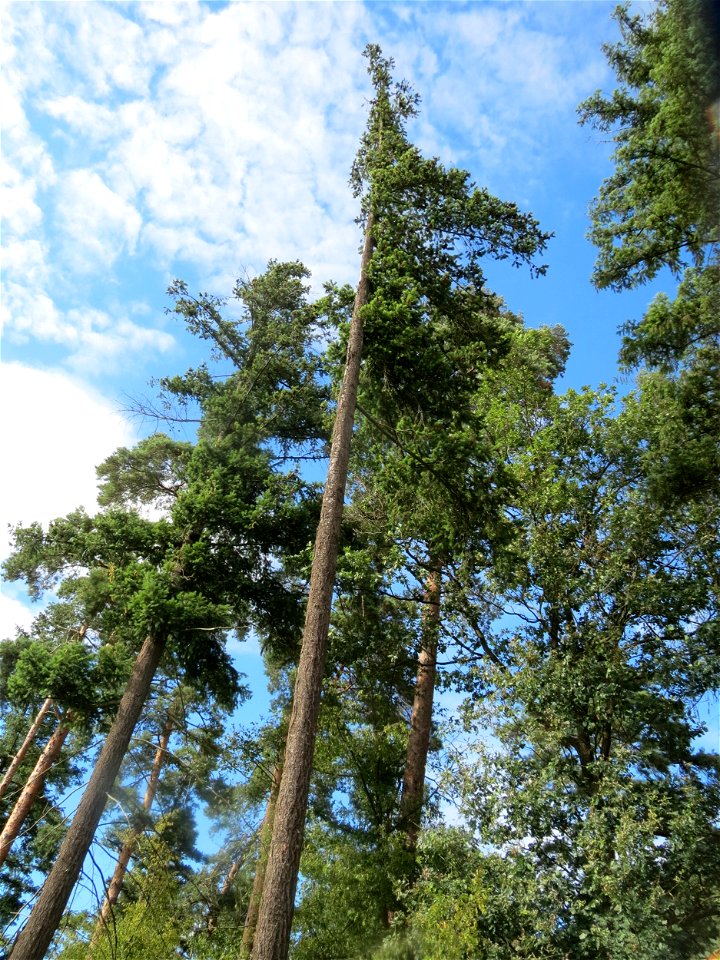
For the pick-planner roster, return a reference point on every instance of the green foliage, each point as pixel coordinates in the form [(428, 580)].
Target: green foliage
[(660, 209), (578, 540), (596, 789), (660, 205), (342, 906), (151, 925), (152, 473)]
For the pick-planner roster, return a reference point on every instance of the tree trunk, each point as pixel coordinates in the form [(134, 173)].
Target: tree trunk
[(272, 936), (34, 939), (128, 847), (411, 800), (27, 742), (212, 919), (33, 786), (266, 829)]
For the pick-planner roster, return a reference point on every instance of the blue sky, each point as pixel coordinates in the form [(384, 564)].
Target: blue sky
[(148, 141)]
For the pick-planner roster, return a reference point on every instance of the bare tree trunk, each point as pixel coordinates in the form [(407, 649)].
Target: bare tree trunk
[(34, 939), (33, 786), (411, 800), (272, 936), (266, 829), (128, 847), (26, 744)]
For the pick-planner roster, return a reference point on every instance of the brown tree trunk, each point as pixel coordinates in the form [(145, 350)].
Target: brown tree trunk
[(128, 847), (272, 935), (224, 890), (26, 744), (33, 786), (411, 799), (266, 829), (34, 939)]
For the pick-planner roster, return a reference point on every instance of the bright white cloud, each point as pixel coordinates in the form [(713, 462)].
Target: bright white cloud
[(54, 431), (54, 456), (93, 121), (95, 341), (13, 615)]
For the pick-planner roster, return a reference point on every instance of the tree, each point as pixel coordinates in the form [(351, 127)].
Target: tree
[(426, 231), (659, 207), (61, 659), (131, 840), (25, 745), (184, 581), (608, 639)]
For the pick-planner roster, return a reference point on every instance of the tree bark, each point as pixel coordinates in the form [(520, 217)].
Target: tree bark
[(34, 939), (33, 786), (272, 935), (128, 847), (411, 799), (266, 829), (26, 744)]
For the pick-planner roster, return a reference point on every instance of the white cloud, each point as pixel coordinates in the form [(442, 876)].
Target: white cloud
[(91, 120), (200, 140), (13, 614), (54, 430), (21, 214), (96, 341), (97, 225)]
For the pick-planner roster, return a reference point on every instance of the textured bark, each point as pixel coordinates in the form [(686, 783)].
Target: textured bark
[(26, 744), (272, 935), (34, 939), (266, 828), (411, 800), (128, 847), (33, 786)]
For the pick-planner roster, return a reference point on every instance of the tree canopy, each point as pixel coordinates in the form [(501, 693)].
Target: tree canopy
[(485, 741)]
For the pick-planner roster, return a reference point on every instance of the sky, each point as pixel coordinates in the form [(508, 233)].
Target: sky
[(147, 141)]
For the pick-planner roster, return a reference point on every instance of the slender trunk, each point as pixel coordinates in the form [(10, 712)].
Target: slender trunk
[(266, 829), (224, 890), (33, 786), (411, 800), (34, 939), (128, 847), (26, 744), (272, 936)]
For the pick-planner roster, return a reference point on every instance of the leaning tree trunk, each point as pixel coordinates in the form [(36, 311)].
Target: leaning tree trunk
[(33, 786), (411, 799), (128, 847), (272, 935), (26, 744), (265, 835), (34, 939)]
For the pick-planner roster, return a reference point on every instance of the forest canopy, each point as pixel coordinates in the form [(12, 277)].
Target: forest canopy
[(487, 606)]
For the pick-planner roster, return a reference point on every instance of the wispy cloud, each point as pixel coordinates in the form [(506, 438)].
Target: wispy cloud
[(97, 225), (202, 139), (96, 342)]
